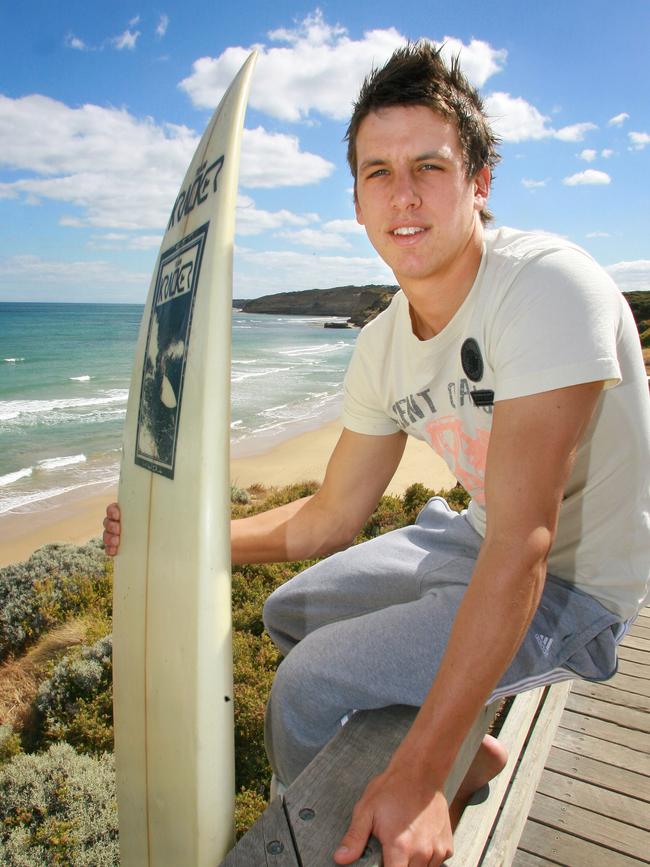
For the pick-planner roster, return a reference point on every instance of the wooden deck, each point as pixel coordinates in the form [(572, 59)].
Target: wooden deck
[(575, 791), (592, 805)]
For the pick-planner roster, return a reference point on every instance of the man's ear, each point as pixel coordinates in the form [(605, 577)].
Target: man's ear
[(482, 180), (357, 207)]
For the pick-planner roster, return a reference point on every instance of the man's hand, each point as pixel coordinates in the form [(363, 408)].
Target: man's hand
[(112, 529), (409, 817)]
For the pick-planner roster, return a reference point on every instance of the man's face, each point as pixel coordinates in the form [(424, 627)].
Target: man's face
[(419, 209)]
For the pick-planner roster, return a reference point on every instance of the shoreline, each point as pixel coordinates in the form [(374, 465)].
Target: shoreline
[(76, 517)]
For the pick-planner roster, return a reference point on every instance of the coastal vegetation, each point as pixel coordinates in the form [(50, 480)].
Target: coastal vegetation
[(57, 776)]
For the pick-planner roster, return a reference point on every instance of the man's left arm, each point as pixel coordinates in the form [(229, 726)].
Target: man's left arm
[(531, 452)]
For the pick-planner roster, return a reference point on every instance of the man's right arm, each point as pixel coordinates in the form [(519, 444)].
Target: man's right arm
[(358, 472)]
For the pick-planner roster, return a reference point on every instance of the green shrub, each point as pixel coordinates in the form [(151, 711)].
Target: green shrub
[(75, 704), (10, 745), (457, 497), (58, 808), (57, 582), (239, 495), (255, 661), (248, 806)]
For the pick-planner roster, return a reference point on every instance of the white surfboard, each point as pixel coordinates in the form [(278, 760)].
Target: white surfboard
[(172, 658)]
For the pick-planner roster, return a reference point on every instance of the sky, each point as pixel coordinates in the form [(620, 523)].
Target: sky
[(102, 104)]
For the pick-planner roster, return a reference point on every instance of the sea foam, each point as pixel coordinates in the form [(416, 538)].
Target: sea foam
[(64, 461), (10, 478)]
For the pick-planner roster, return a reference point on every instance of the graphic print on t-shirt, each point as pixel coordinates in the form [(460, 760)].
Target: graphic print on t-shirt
[(465, 455)]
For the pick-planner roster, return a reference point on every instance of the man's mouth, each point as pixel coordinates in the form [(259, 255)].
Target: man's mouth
[(407, 230)]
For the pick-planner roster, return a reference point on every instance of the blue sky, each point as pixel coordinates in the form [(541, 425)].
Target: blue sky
[(102, 104)]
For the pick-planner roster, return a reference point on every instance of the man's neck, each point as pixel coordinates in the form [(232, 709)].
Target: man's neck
[(434, 302)]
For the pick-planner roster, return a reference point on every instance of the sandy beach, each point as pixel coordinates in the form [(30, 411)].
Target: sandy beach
[(77, 517)]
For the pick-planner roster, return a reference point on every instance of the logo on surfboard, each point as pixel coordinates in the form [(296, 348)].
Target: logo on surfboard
[(204, 183), (168, 340)]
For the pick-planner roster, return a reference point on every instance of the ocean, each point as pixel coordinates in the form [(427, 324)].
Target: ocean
[(65, 372)]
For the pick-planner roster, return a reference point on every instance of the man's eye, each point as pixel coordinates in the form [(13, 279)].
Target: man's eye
[(429, 167), (378, 173)]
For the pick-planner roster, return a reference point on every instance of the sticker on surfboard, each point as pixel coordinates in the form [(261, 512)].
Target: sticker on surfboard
[(168, 341)]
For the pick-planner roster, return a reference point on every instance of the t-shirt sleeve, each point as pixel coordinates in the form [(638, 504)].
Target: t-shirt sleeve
[(362, 407), (556, 326)]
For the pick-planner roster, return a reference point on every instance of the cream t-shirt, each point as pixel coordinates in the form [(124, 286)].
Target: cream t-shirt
[(542, 314)]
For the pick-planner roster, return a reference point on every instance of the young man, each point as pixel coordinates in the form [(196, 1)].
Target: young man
[(502, 351)]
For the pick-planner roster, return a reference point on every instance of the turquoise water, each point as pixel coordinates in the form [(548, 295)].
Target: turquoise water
[(65, 372)]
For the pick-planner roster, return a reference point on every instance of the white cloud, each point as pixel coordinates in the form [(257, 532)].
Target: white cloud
[(618, 119), (606, 153), (252, 221), (290, 271), (31, 269), (331, 235), (72, 41), (514, 119), (121, 241), (121, 172), (531, 184), (588, 154), (317, 67), (275, 160), (639, 140), (575, 132), (316, 239), (479, 60), (344, 227), (163, 24), (127, 39), (590, 176), (631, 276)]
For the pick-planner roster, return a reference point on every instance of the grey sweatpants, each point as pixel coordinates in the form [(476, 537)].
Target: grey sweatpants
[(367, 628)]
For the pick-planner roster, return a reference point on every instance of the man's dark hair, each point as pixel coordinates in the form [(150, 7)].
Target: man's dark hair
[(417, 75)]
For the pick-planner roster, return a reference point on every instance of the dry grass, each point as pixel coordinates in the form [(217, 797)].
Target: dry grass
[(20, 677)]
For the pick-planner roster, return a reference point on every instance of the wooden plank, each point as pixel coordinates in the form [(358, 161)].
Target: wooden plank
[(563, 848), (607, 731), (611, 754), (319, 803), (615, 713), (636, 642), (625, 652), (478, 817), (503, 844), (635, 669), (267, 844), (632, 811), (603, 830), (525, 859), (631, 684), (604, 692), (622, 780), (333, 782), (640, 630)]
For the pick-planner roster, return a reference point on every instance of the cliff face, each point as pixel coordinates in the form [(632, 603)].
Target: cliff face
[(360, 304), (346, 301)]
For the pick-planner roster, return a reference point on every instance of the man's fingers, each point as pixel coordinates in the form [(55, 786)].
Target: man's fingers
[(354, 841), (113, 511)]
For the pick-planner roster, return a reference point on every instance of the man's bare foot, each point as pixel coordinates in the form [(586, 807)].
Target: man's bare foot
[(488, 762)]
